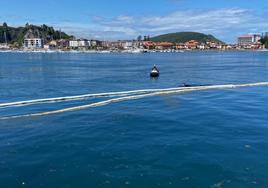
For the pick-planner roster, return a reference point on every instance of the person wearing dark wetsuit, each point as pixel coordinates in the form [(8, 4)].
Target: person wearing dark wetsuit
[(155, 68)]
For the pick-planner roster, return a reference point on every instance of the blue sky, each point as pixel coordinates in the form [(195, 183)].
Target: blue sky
[(126, 19)]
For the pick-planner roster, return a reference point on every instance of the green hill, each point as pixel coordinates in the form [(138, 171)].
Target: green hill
[(184, 37), (15, 35)]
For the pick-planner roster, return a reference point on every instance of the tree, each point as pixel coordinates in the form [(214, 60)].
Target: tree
[(145, 38), (264, 41), (5, 25), (27, 25), (139, 38)]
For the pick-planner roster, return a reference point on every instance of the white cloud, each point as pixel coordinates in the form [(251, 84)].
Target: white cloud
[(225, 24)]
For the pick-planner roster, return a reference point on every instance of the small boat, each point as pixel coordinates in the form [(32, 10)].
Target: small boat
[(154, 72)]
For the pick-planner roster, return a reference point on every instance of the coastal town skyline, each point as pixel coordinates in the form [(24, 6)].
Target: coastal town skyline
[(46, 38), (126, 20)]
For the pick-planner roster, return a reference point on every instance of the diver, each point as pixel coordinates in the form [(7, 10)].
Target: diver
[(154, 72)]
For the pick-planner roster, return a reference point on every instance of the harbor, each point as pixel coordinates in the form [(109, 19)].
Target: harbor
[(133, 94)]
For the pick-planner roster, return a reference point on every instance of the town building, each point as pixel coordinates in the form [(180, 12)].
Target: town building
[(202, 46), (148, 45), (95, 43), (256, 38), (247, 40), (192, 44), (127, 44), (73, 43), (80, 43), (84, 43), (180, 46), (62, 43), (51, 45), (33, 43), (47, 47), (106, 44), (32, 40), (164, 45)]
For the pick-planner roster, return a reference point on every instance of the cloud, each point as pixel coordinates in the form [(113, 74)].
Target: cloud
[(225, 24)]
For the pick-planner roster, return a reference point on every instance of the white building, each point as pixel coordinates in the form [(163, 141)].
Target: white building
[(83, 43), (93, 43), (248, 39), (80, 43), (33, 43), (73, 43), (127, 44), (256, 38)]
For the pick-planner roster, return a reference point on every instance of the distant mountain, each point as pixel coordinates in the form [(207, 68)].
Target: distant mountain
[(17, 34), (184, 37)]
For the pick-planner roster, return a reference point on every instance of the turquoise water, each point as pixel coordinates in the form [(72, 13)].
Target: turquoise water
[(216, 138)]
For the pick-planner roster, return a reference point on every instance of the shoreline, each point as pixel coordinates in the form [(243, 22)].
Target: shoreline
[(139, 51)]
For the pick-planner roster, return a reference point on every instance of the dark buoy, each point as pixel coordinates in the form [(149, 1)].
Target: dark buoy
[(187, 85), (154, 72)]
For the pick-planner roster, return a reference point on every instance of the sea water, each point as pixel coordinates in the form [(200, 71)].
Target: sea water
[(214, 138)]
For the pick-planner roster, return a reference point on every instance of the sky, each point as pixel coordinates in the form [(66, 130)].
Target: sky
[(127, 19)]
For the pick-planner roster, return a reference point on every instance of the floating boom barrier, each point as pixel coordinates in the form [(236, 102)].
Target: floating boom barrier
[(121, 96), (83, 97)]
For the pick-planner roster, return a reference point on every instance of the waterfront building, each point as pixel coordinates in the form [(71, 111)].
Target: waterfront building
[(115, 45), (256, 38), (80, 43), (164, 45), (51, 45), (47, 47), (128, 44), (202, 46), (192, 44), (106, 44), (247, 40), (210, 44), (33, 43), (121, 44), (83, 43), (62, 43), (95, 43), (33, 40), (138, 44), (180, 46), (73, 43), (148, 45)]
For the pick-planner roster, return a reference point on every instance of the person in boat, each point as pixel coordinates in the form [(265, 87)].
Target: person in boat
[(154, 72), (155, 68)]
